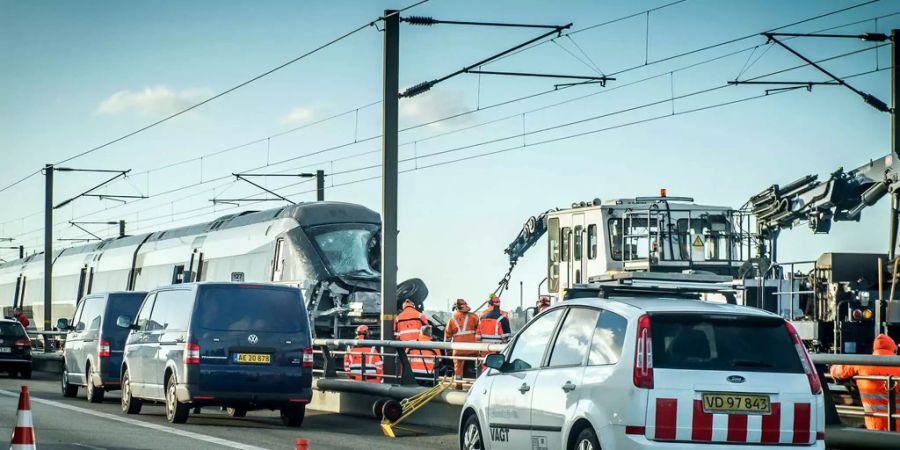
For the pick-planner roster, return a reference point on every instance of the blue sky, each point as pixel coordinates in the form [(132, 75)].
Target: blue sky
[(77, 74)]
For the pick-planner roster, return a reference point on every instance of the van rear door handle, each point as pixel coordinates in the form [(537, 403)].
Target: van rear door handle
[(524, 388), (568, 387)]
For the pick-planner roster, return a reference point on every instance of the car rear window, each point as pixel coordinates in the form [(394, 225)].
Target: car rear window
[(232, 308), (11, 329), (722, 342)]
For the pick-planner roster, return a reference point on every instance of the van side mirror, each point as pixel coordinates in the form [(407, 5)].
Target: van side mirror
[(495, 361), (124, 322), (62, 324)]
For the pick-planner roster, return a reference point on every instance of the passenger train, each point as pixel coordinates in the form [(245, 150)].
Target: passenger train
[(330, 250)]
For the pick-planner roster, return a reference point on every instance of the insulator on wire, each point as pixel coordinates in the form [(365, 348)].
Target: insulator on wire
[(417, 89), (420, 20)]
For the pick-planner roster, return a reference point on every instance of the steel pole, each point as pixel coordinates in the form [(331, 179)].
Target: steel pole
[(895, 201), (320, 185), (389, 175), (121, 228), (48, 244)]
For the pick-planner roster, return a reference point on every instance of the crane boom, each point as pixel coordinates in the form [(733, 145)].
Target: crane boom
[(535, 227), (841, 197)]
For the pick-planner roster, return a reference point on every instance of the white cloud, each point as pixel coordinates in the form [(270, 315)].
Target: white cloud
[(152, 100), (298, 115), (433, 105)]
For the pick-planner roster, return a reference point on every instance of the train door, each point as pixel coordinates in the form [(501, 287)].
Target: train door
[(565, 257), (579, 262), (553, 255)]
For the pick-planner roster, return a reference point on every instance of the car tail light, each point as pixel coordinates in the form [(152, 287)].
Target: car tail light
[(191, 353), (103, 348), (643, 355), (23, 342), (815, 385), (308, 358)]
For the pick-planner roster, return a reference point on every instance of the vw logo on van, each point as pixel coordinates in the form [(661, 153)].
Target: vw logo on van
[(736, 379), (253, 339)]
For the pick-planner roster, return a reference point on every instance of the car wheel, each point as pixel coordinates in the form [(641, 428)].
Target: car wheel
[(176, 412), (586, 440), (94, 394), (130, 405), (68, 390), (236, 412), (471, 438), (292, 415)]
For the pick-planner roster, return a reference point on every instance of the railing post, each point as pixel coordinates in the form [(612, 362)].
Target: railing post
[(328, 363), (406, 377), (831, 414), (892, 397)]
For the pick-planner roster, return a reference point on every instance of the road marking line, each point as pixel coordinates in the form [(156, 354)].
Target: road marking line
[(139, 423)]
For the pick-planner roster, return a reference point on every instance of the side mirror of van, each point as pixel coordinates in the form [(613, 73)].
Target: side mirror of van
[(62, 324), (123, 322), (495, 361)]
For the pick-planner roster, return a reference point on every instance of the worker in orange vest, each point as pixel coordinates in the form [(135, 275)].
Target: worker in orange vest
[(361, 362), (423, 361), (874, 393), (543, 303), (408, 324), (462, 327), (493, 325)]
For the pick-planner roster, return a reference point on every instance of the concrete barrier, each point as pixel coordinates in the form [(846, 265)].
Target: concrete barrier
[(47, 362)]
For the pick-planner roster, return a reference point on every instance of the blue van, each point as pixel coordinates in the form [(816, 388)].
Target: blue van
[(92, 354), (236, 345)]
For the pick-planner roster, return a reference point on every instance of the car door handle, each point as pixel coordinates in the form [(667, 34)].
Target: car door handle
[(524, 388), (568, 387)]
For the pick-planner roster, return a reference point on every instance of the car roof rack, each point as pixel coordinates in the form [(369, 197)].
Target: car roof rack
[(686, 284)]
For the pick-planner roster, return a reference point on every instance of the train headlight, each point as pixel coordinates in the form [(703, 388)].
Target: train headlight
[(867, 314), (856, 314)]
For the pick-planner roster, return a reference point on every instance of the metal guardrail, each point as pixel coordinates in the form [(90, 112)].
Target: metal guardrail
[(837, 435), (396, 353), (47, 339)]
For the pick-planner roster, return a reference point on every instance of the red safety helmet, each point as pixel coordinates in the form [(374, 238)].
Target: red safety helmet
[(495, 300), (544, 301), (362, 330)]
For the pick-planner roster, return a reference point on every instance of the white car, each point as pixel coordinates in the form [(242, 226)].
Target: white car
[(647, 373)]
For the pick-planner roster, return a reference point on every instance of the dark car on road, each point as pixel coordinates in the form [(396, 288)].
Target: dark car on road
[(15, 349), (235, 345), (94, 345)]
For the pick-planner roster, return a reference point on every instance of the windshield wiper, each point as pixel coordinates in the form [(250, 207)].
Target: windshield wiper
[(750, 363)]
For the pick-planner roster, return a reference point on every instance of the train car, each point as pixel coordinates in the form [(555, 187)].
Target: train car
[(330, 250)]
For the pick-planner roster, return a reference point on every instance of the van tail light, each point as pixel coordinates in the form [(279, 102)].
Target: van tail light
[(23, 342), (103, 348), (191, 353), (308, 358), (643, 355), (815, 385)]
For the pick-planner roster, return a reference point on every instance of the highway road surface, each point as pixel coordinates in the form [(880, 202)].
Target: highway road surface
[(65, 423)]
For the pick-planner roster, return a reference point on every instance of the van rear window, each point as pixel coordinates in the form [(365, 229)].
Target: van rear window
[(123, 305), (722, 342), (231, 308)]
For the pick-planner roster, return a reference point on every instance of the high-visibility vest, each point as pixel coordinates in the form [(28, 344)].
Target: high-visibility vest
[(493, 327), (408, 324), (873, 393), (422, 361), (354, 364), (462, 327)]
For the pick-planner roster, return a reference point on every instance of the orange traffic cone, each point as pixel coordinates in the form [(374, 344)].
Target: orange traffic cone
[(23, 434), (302, 444)]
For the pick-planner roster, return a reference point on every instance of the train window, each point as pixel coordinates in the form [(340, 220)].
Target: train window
[(278, 262), (579, 245), (178, 274), (615, 239), (566, 238), (592, 241), (553, 257)]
